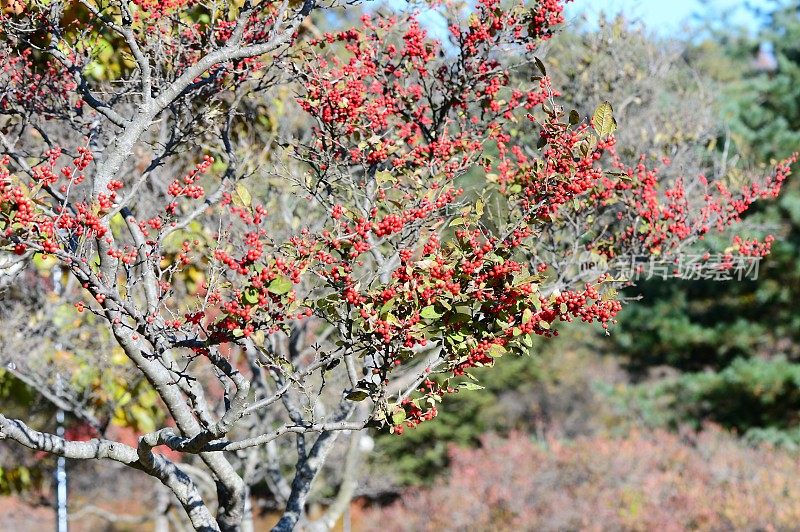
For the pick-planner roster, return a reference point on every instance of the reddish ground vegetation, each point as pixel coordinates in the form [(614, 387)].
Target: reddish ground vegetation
[(656, 481)]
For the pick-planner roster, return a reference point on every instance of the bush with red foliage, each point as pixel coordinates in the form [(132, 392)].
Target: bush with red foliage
[(645, 481)]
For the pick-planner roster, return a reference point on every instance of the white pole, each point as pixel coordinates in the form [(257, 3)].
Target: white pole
[(61, 479), (61, 463)]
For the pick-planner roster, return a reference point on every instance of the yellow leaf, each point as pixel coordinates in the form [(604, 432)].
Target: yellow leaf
[(603, 120), (243, 195)]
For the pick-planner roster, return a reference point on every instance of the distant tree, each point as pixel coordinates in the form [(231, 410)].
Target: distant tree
[(276, 287)]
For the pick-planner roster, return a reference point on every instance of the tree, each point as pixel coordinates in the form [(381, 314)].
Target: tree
[(277, 286), (669, 104)]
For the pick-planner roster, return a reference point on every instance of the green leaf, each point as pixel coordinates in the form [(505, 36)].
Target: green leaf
[(527, 314), (470, 386), (357, 395), (398, 416), (587, 146), (384, 177), (574, 117), (544, 325), (457, 221), (540, 66), (387, 306), (456, 338), (429, 313), (280, 285), (527, 340), (497, 259), (496, 351), (502, 324), (479, 207), (603, 120), (251, 296)]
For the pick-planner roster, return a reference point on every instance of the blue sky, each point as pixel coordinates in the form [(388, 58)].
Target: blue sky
[(665, 16)]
